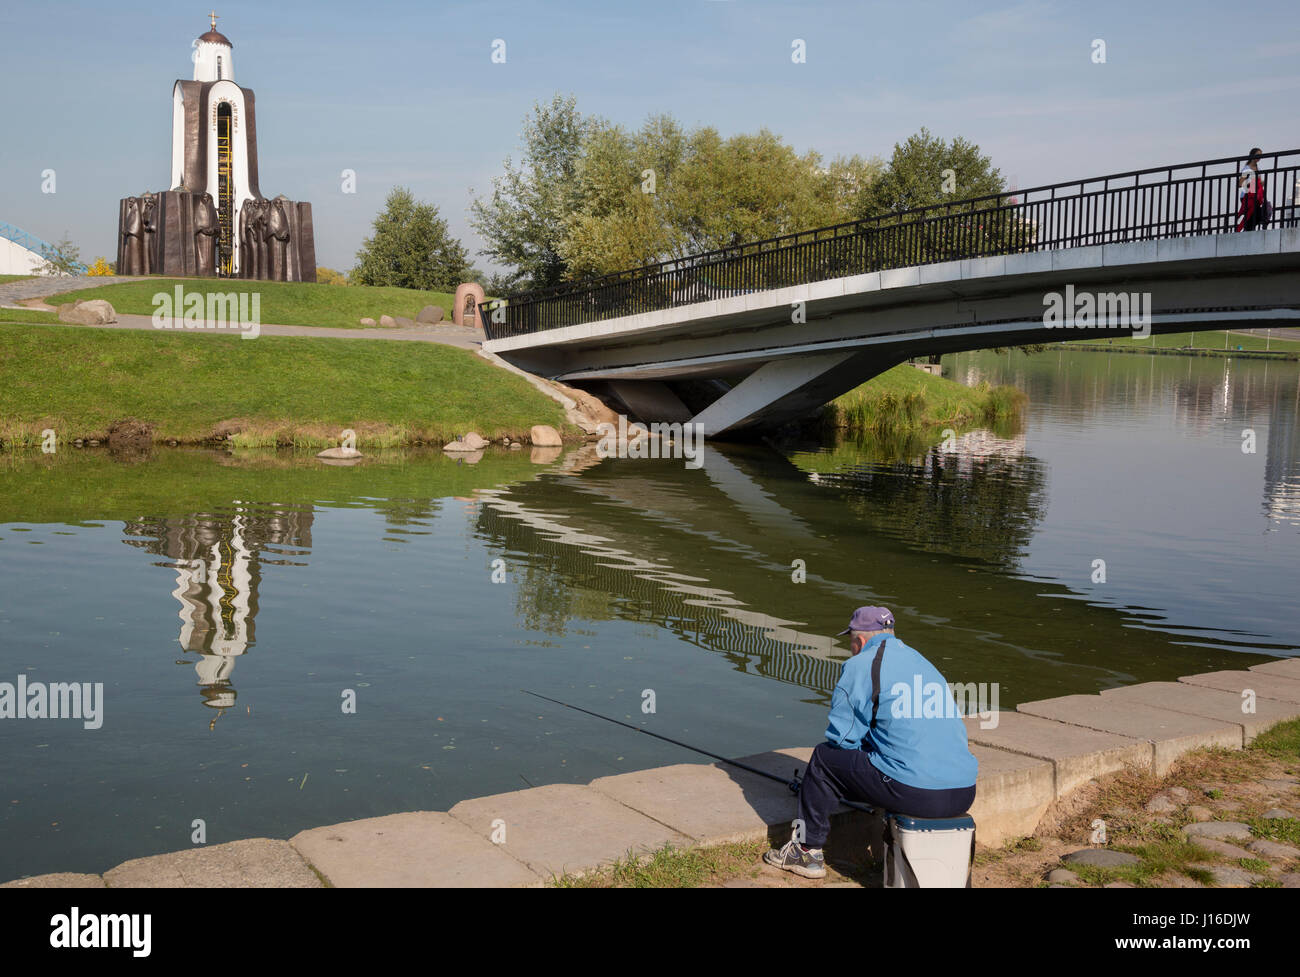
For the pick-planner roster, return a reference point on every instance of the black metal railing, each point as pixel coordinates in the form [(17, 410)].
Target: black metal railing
[(1141, 205)]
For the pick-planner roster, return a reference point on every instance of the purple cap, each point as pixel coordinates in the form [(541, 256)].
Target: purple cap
[(870, 619)]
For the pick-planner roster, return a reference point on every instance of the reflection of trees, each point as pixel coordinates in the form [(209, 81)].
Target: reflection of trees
[(982, 501), (218, 559)]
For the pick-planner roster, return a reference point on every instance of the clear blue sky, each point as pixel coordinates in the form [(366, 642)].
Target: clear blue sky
[(405, 93)]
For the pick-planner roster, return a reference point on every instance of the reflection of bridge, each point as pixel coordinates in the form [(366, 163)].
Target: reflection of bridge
[(765, 332), (707, 555)]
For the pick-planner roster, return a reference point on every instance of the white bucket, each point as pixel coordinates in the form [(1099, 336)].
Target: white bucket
[(928, 853)]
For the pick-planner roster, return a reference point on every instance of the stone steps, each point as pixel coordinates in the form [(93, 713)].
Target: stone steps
[(1032, 757)]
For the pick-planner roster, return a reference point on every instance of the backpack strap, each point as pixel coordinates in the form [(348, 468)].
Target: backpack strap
[(875, 680)]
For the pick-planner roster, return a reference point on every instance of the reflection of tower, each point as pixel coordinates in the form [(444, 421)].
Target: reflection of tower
[(218, 575), (1282, 461)]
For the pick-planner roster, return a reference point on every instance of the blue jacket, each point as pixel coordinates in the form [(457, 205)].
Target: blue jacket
[(919, 739)]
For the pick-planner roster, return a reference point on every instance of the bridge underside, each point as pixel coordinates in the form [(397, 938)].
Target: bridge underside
[(766, 358)]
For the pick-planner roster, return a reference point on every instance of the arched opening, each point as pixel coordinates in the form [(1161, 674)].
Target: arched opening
[(225, 191)]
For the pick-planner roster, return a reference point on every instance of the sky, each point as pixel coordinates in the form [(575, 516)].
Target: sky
[(408, 94)]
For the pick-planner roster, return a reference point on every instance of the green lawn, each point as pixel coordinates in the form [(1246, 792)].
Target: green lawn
[(27, 315), (13, 278), (270, 390), (1213, 339), (282, 303)]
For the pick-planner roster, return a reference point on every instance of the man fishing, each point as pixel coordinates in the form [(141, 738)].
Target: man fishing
[(882, 748)]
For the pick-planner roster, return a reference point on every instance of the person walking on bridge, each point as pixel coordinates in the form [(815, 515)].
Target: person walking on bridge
[(1250, 189), (882, 747)]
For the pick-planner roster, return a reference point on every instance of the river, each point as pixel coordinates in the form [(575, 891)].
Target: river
[(284, 644)]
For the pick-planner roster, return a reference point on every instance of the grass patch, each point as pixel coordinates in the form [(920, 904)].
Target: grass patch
[(31, 316), (1285, 830), (1210, 339), (906, 399), (14, 278), (672, 868), (1282, 741), (274, 390), (282, 303)]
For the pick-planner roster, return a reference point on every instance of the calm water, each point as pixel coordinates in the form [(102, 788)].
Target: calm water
[(226, 604)]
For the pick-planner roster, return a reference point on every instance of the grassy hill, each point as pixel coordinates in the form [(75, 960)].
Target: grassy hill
[(272, 390), (282, 303)]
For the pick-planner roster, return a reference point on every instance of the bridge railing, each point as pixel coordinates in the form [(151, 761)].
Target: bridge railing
[(1140, 205), (32, 243)]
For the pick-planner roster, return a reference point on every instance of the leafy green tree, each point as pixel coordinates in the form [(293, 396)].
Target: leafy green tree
[(917, 176), (927, 171), (411, 248), (664, 193), (523, 222), (63, 258)]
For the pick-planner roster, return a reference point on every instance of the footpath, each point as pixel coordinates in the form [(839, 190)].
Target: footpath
[(1033, 757)]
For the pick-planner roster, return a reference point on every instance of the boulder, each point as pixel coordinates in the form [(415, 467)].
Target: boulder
[(130, 433), (95, 312), (1160, 804), (1180, 794), (367, 321), (1062, 876), (459, 447), (1273, 849), (339, 453), (1198, 813), (1276, 814), (1229, 877), (404, 322), (1224, 848), (1101, 858), (1223, 830), (388, 322), (475, 442), (545, 436), (430, 313)]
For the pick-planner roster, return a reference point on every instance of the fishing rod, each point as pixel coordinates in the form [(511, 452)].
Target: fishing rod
[(793, 784)]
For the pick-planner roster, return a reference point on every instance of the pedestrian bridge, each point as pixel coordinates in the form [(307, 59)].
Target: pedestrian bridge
[(762, 333)]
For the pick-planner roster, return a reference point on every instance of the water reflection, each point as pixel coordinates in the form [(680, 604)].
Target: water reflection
[(218, 560)]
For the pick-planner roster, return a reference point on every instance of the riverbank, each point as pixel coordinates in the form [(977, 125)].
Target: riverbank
[(275, 390), (905, 401), (1040, 759), (1240, 345)]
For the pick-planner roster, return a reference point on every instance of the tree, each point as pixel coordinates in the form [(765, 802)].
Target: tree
[(328, 276), (411, 248), (100, 268), (917, 176), (928, 172), (664, 193), (523, 223), (63, 258)]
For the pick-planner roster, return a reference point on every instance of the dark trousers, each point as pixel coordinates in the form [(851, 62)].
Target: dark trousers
[(834, 773)]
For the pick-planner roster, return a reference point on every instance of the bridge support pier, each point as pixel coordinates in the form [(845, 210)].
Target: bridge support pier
[(754, 396)]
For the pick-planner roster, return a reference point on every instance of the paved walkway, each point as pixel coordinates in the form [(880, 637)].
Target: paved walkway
[(1033, 757), (42, 285), (448, 334)]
